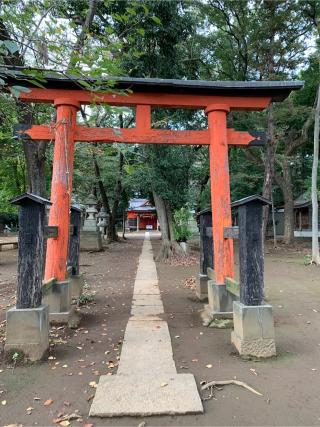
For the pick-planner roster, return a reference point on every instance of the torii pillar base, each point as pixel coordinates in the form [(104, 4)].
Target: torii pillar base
[(202, 288), (58, 297), (253, 333), (27, 332)]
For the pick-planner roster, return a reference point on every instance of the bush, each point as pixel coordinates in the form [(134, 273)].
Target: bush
[(181, 225)]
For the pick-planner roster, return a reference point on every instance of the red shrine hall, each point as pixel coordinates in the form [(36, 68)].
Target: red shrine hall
[(141, 215)]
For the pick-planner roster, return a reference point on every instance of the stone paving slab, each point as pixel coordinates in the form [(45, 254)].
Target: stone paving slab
[(146, 286), (146, 310), (142, 299), (146, 349), (147, 382), (144, 395)]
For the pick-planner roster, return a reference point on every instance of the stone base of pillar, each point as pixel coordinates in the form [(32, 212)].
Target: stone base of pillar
[(253, 333), (76, 284), (90, 241), (220, 301), (58, 297), (27, 330), (202, 288)]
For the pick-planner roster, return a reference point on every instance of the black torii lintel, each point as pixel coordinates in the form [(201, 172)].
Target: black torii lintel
[(276, 90)]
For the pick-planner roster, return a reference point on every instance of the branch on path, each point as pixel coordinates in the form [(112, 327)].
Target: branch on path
[(227, 382)]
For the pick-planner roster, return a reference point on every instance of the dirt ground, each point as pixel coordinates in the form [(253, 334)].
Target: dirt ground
[(290, 383)]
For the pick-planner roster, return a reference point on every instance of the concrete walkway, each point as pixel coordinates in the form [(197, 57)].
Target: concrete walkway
[(147, 382)]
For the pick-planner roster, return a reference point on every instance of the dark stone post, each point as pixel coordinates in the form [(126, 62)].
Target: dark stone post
[(253, 333), (251, 257), (206, 241), (31, 248), (27, 324), (76, 279), (74, 240), (206, 251)]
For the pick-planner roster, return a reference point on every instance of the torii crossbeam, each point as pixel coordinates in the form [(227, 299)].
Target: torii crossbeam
[(215, 98)]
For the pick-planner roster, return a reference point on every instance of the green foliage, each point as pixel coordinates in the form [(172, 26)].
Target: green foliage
[(181, 217), (85, 299), (217, 39)]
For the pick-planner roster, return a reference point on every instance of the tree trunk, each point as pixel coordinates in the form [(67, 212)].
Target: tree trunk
[(34, 150), (285, 184), (166, 250), (314, 186), (269, 168), (288, 236), (111, 231), (169, 246), (35, 153)]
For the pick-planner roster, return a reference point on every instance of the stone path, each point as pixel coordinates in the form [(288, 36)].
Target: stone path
[(147, 382)]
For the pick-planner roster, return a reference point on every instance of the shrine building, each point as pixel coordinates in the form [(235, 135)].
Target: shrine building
[(141, 215)]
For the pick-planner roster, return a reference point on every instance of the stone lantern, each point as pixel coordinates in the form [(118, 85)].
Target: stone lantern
[(90, 235), (90, 223), (103, 220)]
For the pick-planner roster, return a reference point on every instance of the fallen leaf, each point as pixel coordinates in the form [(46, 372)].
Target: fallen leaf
[(163, 384), (93, 384), (65, 423), (194, 360), (48, 402), (3, 402), (209, 366)]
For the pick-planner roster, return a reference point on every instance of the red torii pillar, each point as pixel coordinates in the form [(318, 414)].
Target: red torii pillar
[(220, 301), (61, 187)]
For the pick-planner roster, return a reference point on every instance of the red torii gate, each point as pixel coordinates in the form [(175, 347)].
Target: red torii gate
[(215, 98)]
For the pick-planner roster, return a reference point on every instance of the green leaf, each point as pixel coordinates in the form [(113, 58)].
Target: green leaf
[(85, 84), (36, 83), (141, 31), (11, 46), (156, 20), (131, 11), (16, 90)]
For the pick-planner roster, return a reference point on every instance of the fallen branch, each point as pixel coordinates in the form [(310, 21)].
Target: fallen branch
[(236, 382)]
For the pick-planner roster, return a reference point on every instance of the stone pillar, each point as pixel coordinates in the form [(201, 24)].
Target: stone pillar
[(220, 300), (138, 222), (90, 235), (28, 322), (76, 279), (206, 252), (253, 333)]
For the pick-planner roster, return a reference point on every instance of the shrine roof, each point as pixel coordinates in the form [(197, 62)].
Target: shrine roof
[(277, 90)]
